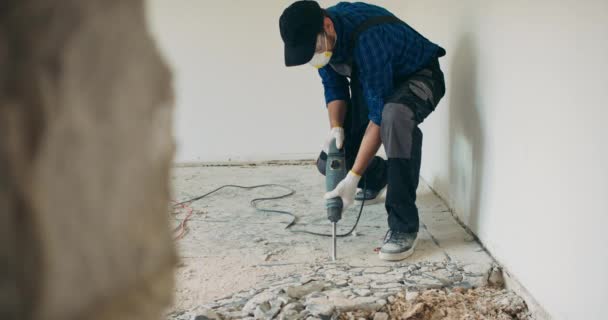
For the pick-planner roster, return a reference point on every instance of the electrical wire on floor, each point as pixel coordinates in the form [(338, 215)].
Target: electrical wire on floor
[(181, 228), (186, 205)]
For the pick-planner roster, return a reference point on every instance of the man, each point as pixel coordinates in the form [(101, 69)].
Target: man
[(395, 81)]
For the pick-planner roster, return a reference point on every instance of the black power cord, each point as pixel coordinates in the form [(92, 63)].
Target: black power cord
[(290, 192)]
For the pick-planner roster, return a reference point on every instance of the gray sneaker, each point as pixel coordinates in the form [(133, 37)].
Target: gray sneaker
[(398, 245)]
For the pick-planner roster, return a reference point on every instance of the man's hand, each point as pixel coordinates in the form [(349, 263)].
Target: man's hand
[(346, 190), (338, 134)]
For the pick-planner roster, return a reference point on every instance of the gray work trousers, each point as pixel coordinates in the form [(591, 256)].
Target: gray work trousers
[(413, 99)]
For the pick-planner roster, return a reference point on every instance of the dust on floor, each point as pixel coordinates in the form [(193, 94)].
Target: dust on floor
[(448, 304), (229, 247)]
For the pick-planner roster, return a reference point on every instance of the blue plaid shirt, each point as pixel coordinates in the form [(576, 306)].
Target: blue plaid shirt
[(383, 52)]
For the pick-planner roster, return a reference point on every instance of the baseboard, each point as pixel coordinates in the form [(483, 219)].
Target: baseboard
[(300, 162), (536, 310), (511, 282)]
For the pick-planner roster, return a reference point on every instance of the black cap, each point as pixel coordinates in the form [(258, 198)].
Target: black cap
[(300, 24)]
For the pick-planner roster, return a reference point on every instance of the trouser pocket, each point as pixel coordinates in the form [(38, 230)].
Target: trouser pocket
[(421, 92)]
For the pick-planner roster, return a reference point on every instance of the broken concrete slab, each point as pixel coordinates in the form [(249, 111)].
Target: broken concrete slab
[(325, 299), (224, 251)]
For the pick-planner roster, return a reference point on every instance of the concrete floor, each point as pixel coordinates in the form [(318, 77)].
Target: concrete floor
[(230, 247)]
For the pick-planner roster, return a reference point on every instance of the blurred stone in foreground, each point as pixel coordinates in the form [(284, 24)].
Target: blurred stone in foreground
[(85, 152)]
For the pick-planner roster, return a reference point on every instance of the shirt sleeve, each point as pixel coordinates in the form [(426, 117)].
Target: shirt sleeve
[(335, 85), (375, 71)]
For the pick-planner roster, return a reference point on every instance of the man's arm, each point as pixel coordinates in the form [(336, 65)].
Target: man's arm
[(335, 89), (336, 94), (369, 146), (336, 110)]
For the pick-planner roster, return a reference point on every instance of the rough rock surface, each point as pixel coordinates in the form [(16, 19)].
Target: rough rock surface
[(85, 155), (351, 292)]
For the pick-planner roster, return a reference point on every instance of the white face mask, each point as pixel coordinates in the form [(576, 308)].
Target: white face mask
[(320, 60)]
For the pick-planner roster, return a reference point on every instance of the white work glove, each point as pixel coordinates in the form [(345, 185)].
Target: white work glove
[(346, 190), (338, 134)]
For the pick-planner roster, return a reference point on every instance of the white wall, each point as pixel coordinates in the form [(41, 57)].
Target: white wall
[(235, 99), (517, 145)]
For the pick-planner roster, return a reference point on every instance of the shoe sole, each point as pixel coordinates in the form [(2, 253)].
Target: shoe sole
[(398, 256), (375, 200), (378, 199)]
